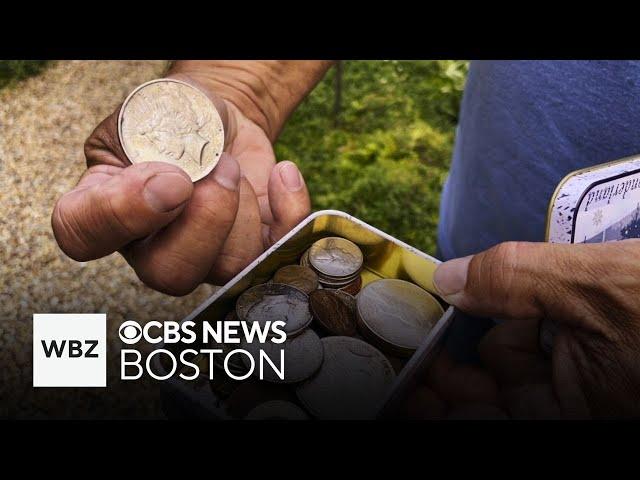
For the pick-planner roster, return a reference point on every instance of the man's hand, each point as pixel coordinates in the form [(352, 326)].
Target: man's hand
[(590, 291), (176, 234)]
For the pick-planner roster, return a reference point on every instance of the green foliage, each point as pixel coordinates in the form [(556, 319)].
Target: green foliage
[(15, 70), (389, 156), (386, 160)]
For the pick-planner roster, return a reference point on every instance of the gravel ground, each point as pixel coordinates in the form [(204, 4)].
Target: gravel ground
[(43, 124)]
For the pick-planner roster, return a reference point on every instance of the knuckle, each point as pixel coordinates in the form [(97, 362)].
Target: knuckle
[(68, 235), (497, 271), (497, 266)]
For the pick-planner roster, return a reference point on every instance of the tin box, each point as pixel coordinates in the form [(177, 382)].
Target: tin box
[(384, 257)]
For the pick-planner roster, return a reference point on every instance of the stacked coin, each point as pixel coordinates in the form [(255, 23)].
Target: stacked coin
[(337, 262), (342, 375)]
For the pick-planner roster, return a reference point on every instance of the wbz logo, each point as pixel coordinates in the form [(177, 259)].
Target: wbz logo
[(74, 349), (69, 350)]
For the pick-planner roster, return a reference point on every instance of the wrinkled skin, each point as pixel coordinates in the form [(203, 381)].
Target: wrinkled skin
[(202, 232), (590, 291)]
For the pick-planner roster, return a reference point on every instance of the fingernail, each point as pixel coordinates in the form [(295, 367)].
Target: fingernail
[(227, 172), (166, 191), (451, 277), (291, 176)]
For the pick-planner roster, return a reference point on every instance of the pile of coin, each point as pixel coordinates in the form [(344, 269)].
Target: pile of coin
[(341, 347), (337, 262)]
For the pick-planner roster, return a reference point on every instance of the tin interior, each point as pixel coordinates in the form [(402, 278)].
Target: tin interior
[(384, 257)]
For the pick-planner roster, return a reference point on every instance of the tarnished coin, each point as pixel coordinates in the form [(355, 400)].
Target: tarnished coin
[(352, 383), (302, 357), (170, 121), (304, 259), (335, 257), (333, 312), (349, 299), (354, 287), (297, 276), (277, 410), (273, 302), (335, 283), (396, 315)]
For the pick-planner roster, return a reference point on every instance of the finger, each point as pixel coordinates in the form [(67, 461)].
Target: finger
[(111, 207), (511, 353), (580, 285), (289, 200), (103, 145), (510, 280), (178, 259), (244, 242), (461, 383)]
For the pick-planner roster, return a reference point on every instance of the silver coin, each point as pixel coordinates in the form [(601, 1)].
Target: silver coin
[(352, 382), (397, 315), (170, 121), (335, 257), (275, 302), (277, 410), (303, 356), (336, 284)]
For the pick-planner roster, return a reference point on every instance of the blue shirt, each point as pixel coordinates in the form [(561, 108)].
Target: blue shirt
[(523, 126)]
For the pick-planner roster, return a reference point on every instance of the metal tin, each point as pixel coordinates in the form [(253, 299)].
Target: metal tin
[(384, 257), (594, 205), (613, 189)]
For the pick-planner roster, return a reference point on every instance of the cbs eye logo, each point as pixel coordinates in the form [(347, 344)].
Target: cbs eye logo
[(130, 332)]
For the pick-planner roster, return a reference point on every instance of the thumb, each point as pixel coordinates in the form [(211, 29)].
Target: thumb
[(288, 198), (509, 280), (111, 207)]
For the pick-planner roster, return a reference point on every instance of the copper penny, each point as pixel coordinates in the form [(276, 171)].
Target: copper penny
[(332, 312), (297, 276), (354, 287)]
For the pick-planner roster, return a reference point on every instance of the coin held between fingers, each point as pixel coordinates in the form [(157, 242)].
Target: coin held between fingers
[(168, 120)]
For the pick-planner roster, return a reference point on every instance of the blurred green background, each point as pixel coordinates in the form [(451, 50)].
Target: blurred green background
[(373, 139), (385, 155)]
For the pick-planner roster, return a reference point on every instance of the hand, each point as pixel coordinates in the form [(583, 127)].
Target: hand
[(176, 234), (591, 293)]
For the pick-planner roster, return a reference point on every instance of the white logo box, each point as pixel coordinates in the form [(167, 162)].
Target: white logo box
[(76, 343), (384, 257)]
